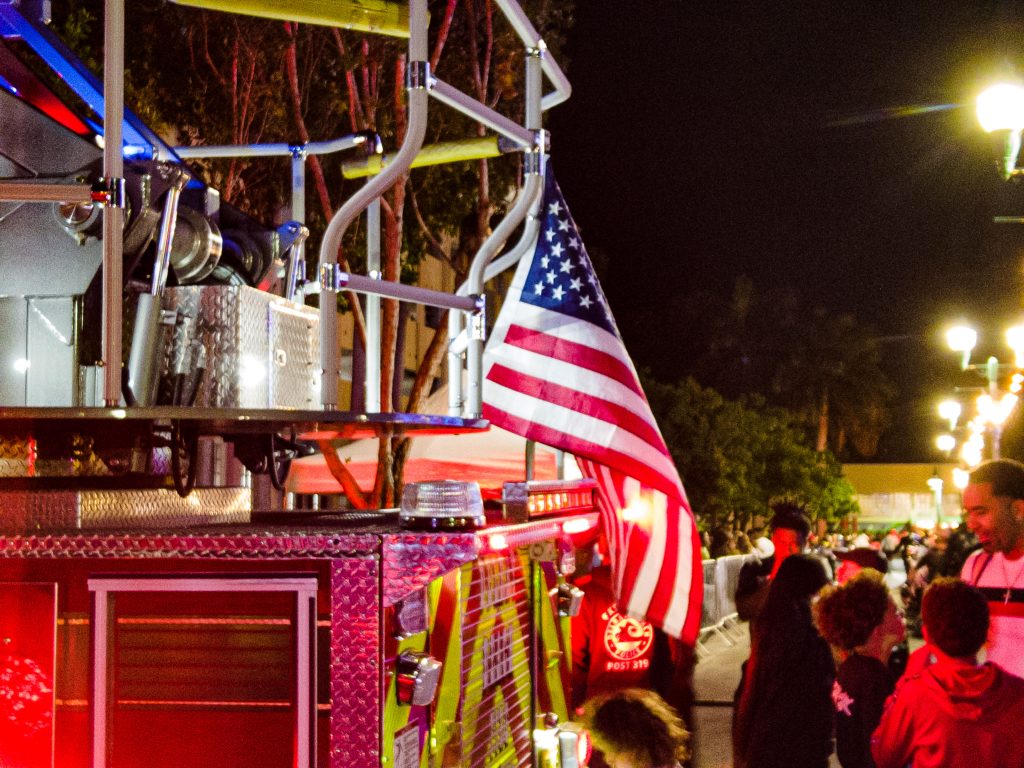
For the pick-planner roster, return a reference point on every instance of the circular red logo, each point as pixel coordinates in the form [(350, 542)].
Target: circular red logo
[(626, 639)]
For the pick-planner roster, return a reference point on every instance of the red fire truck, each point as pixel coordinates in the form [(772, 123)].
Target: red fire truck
[(155, 608)]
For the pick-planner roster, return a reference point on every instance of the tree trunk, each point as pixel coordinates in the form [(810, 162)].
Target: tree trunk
[(822, 445)]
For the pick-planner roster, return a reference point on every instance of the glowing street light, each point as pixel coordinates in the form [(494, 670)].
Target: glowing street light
[(1000, 109), (962, 339), (1015, 341), (960, 478), (945, 443), (950, 410)]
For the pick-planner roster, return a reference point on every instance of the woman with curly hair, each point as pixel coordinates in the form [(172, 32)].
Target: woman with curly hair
[(862, 624), (783, 716), (635, 728)]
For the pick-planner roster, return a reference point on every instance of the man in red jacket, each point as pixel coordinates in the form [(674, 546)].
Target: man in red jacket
[(609, 651)]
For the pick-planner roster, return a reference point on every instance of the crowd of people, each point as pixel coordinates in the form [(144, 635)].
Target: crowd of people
[(825, 675)]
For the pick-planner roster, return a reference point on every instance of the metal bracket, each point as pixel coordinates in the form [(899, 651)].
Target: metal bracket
[(478, 321), (110, 192), (533, 162), (332, 278), (417, 76)]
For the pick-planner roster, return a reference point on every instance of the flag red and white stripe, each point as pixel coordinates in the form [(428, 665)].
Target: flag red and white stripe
[(556, 371)]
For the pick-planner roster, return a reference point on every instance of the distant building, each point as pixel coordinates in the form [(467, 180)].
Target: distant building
[(890, 495)]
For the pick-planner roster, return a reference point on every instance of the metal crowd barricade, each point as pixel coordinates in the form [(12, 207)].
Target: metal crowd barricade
[(721, 577)]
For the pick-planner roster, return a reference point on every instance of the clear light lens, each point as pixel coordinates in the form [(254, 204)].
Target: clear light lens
[(443, 504)]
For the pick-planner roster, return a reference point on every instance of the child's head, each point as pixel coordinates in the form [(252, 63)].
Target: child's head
[(635, 728), (847, 615), (955, 617)]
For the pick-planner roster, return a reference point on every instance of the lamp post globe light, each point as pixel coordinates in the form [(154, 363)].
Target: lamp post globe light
[(1000, 109), (950, 410)]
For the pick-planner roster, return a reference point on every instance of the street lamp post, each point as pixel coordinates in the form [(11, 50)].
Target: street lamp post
[(1000, 109), (935, 484), (994, 407)]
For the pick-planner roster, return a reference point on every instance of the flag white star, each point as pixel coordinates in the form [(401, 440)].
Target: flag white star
[(556, 250), (563, 225), (585, 301), (551, 277), (544, 261), (558, 293), (555, 208), (566, 266), (574, 242), (576, 284), (538, 289), (550, 235)]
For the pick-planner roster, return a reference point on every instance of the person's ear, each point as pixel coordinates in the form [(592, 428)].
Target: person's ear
[(1017, 507)]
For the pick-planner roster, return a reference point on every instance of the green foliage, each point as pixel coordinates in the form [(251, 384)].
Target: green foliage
[(737, 457)]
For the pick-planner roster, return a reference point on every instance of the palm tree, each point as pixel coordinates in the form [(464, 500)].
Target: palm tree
[(826, 367)]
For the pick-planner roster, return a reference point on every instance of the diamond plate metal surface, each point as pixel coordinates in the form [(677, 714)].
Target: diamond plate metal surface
[(17, 454), (241, 542), (355, 664), (261, 351), (23, 511), (411, 561), (69, 456)]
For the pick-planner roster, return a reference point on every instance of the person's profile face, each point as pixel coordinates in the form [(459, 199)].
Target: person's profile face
[(894, 630), (787, 542)]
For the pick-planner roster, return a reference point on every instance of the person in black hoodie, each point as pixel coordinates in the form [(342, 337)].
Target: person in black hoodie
[(783, 716), (862, 624)]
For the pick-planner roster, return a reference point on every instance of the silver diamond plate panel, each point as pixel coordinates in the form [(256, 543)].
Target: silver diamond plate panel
[(23, 511), (411, 561), (355, 664), (238, 543), (261, 351)]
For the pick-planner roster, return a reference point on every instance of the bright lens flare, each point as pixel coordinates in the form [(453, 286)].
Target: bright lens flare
[(961, 338), (950, 411), (639, 511), (576, 525), (1015, 340), (1001, 107)]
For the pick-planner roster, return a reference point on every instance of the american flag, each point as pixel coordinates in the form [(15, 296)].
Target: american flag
[(557, 372)]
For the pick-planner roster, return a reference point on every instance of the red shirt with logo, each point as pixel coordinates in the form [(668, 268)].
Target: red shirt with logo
[(609, 651)]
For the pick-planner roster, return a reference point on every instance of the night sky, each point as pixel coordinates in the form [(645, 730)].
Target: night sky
[(831, 147)]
